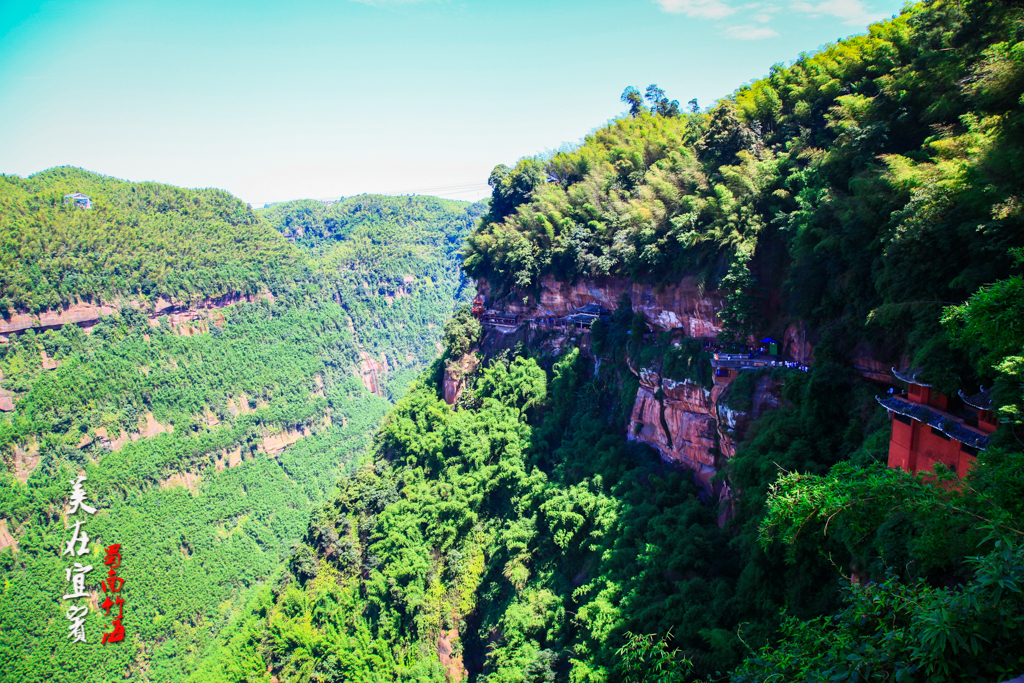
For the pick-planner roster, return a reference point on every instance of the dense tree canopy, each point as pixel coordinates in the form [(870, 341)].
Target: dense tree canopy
[(877, 177), (872, 185), (210, 507), (138, 241), (869, 190)]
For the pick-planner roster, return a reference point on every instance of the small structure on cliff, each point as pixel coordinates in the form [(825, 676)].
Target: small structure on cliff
[(80, 200), (929, 428), (500, 319), (728, 365), (584, 318)]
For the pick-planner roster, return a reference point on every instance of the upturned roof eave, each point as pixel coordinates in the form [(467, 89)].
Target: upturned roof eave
[(910, 376), (937, 420)]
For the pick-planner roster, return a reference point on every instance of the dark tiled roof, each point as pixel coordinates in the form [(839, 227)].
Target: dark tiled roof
[(910, 376), (592, 309), (499, 318), (949, 426), (981, 400)]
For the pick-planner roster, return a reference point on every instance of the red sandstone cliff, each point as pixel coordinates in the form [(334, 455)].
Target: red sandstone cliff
[(455, 376), (184, 318), (275, 444), (692, 425), (372, 372), (88, 314), (684, 305), (685, 422), (681, 424)]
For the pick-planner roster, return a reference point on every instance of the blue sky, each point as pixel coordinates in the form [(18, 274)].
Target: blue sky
[(313, 98)]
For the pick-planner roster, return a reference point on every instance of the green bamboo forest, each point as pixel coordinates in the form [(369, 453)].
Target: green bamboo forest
[(264, 408), (206, 511)]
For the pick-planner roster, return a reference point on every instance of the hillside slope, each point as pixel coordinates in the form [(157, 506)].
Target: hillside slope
[(866, 185), (512, 525), (394, 262), (212, 392), (139, 240)]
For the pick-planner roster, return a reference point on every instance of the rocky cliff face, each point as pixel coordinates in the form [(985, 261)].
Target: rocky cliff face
[(275, 444), (25, 460), (681, 306), (372, 372), (182, 314), (7, 539), (676, 418), (184, 319), (455, 377), (685, 422), (679, 420), (116, 443), (692, 425), (797, 344)]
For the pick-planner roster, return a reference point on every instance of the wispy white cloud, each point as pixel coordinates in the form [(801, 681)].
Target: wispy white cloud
[(749, 32), (760, 12), (698, 9), (852, 12)]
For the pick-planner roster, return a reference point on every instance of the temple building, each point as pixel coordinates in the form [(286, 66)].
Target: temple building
[(929, 428), (584, 318), (500, 319), (80, 200), (478, 306)]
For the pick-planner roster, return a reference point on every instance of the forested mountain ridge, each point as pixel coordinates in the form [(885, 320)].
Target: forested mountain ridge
[(138, 241), (392, 261), (206, 442), (873, 180), (867, 192)]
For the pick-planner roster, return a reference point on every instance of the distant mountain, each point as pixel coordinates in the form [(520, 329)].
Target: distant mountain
[(210, 378), (584, 498), (394, 262), (137, 240)]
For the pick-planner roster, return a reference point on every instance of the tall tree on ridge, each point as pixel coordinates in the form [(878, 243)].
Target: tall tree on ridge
[(632, 97)]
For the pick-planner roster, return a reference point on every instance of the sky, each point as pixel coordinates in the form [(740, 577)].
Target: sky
[(329, 98)]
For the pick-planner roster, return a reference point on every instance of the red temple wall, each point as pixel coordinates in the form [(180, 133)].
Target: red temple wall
[(965, 464), (901, 446), (916, 448), (987, 421), (932, 448), (903, 434)]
